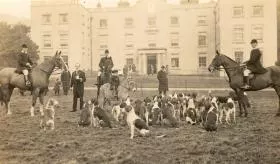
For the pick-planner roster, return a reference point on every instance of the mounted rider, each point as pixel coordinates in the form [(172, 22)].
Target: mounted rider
[(106, 64), (253, 65), (24, 64)]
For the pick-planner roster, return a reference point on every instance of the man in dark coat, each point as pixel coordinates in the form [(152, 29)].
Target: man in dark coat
[(115, 81), (163, 81), (65, 79), (106, 64), (77, 82), (253, 64), (24, 64)]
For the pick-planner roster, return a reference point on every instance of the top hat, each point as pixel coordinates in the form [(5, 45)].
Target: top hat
[(106, 51)]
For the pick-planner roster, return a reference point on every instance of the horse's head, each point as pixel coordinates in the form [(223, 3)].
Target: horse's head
[(58, 60), (216, 62)]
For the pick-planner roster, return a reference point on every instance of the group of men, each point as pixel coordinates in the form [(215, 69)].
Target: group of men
[(253, 65)]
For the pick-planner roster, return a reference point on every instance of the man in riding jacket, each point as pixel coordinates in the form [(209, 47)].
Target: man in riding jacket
[(106, 64), (24, 64), (253, 64)]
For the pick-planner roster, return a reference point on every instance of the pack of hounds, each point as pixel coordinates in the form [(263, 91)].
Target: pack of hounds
[(208, 111)]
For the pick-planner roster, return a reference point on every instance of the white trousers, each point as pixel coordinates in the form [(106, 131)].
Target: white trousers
[(246, 72), (25, 72)]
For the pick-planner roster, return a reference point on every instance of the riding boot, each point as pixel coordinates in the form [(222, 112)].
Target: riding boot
[(246, 82)]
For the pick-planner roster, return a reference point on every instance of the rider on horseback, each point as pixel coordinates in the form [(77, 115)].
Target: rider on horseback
[(24, 64), (106, 64), (253, 65)]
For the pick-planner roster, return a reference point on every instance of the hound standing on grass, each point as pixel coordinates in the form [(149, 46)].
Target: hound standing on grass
[(47, 117), (135, 122), (229, 109)]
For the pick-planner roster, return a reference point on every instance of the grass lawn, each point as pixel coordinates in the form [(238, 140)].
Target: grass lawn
[(251, 140)]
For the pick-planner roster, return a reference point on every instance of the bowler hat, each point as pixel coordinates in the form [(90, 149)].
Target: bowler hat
[(254, 41), (163, 66), (106, 51), (24, 46)]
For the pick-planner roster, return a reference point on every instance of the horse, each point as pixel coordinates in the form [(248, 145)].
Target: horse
[(40, 80), (126, 85), (235, 74)]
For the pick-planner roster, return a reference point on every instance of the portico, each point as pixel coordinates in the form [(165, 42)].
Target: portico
[(150, 57)]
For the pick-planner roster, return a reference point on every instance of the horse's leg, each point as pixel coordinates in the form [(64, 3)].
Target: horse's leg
[(277, 90), (35, 94), (239, 101), (8, 106), (41, 98)]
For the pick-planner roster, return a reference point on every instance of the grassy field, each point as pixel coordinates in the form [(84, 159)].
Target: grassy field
[(174, 81), (251, 140)]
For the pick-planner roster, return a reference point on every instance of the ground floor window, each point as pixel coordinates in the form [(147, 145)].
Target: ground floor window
[(202, 62), (238, 56), (175, 62)]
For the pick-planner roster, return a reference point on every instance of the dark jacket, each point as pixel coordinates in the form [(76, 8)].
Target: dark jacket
[(65, 79), (107, 63), (23, 58), (78, 86), (115, 80), (254, 63), (163, 81)]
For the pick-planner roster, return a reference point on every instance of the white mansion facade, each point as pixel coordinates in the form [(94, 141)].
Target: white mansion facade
[(183, 36)]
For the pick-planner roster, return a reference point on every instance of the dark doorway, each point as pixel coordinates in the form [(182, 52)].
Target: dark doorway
[(151, 64)]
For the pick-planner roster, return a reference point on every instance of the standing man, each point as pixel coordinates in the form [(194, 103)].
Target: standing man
[(253, 64), (24, 64), (65, 79), (163, 81), (77, 82), (106, 64)]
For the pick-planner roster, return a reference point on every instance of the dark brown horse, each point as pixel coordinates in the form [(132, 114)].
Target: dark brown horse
[(258, 82), (40, 81)]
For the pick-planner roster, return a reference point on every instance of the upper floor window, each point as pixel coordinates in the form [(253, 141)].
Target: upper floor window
[(257, 32), (202, 61), (152, 21), (238, 33), (64, 40), (103, 23), (128, 22), (47, 42), (63, 18), (202, 39), (258, 11), (202, 20), (46, 19), (174, 39), (237, 11), (174, 20)]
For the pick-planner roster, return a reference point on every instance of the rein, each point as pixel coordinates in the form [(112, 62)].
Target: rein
[(230, 68)]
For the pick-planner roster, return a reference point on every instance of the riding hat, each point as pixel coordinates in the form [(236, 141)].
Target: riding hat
[(254, 41), (24, 46)]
